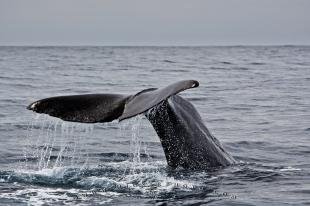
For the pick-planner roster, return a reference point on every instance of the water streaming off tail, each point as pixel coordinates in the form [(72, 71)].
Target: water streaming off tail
[(56, 154), (137, 146), (54, 143)]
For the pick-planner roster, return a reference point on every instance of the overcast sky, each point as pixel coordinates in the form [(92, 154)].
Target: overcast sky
[(154, 22)]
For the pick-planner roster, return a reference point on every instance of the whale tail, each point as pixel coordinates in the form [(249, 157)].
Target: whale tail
[(92, 108), (185, 139)]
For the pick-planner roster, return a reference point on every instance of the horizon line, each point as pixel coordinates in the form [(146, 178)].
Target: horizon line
[(150, 45)]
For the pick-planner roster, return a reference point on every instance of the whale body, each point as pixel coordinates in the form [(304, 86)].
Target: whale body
[(185, 139)]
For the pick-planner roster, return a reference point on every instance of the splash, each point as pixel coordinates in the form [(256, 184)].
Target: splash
[(56, 155)]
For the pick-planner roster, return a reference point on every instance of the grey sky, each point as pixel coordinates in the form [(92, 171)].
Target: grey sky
[(154, 22)]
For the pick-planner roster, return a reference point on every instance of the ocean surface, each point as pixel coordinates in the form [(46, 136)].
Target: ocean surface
[(255, 100)]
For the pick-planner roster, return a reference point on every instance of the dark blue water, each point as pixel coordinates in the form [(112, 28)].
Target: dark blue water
[(255, 100)]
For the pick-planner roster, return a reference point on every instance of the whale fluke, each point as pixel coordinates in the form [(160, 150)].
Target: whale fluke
[(92, 108), (185, 139)]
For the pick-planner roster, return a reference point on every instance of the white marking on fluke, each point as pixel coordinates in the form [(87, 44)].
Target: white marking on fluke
[(33, 105)]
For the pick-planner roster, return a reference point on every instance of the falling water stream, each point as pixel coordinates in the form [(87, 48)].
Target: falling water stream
[(55, 143)]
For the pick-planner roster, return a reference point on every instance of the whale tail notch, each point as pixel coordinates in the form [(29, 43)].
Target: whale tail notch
[(93, 108)]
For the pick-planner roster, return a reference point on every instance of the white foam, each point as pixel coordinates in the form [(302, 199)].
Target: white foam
[(289, 169), (44, 196)]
